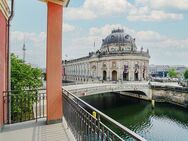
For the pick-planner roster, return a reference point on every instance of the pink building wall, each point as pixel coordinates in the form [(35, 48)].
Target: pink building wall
[(3, 64)]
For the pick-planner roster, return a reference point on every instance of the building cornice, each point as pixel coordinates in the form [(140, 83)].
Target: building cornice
[(4, 8), (123, 54), (59, 2)]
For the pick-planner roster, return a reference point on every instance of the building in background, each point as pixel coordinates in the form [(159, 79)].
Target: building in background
[(158, 70), (117, 60), (162, 70)]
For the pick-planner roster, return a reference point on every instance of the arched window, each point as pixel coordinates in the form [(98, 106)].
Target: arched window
[(104, 75), (126, 73), (114, 75)]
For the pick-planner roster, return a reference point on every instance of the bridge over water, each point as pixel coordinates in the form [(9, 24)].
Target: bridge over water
[(137, 89), (162, 92)]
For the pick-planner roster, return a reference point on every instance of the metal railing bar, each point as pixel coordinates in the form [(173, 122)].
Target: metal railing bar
[(109, 130), (120, 126), (36, 106), (27, 90), (30, 105), (43, 103)]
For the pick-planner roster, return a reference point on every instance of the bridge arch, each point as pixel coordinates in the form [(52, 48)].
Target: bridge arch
[(139, 90), (136, 92)]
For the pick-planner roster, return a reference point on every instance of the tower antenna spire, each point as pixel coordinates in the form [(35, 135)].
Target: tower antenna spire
[(24, 50)]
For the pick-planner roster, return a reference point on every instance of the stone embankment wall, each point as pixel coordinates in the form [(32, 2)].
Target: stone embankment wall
[(135, 95), (171, 95)]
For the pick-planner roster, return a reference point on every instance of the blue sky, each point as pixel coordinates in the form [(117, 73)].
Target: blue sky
[(160, 26)]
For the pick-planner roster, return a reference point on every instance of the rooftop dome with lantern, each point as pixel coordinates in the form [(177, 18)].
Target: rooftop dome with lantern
[(118, 40)]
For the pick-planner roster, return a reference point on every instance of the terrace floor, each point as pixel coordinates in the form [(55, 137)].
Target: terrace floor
[(36, 131)]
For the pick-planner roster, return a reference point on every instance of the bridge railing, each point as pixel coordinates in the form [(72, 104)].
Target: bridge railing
[(86, 126), (111, 88)]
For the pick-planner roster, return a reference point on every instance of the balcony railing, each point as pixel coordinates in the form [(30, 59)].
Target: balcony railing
[(87, 127), (31, 105), (24, 105)]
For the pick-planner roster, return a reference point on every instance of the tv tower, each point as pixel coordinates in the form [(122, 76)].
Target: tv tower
[(24, 50)]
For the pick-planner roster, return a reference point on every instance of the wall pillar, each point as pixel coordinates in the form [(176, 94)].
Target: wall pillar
[(54, 63), (4, 13)]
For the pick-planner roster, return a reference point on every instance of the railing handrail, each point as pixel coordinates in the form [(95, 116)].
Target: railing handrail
[(120, 126), (30, 90), (112, 86)]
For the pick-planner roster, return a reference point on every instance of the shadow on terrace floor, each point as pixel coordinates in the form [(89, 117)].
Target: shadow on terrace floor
[(35, 131)]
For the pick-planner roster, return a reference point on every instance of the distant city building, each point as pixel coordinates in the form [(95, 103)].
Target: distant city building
[(117, 60), (158, 70), (162, 70), (179, 68)]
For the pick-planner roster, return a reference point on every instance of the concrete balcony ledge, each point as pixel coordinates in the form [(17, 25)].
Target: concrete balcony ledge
[(36, 131)]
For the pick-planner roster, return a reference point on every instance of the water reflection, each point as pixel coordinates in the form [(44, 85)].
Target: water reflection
[(164, 123)]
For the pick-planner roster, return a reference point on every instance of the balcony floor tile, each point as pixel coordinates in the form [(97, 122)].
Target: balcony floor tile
[(35, 131)]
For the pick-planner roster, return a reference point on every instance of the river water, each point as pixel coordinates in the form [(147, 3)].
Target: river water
[(165, 122)]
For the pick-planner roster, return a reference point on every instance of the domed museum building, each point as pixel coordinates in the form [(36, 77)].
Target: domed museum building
[(117, 60)]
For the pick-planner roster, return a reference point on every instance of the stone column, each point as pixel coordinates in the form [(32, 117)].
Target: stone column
[(132, 71), (109, 71), (141, 72), (100, 71), (53, 66)]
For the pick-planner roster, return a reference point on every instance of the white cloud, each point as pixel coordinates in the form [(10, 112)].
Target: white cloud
[(159, 4), (35, 46), (94, 9), (28, 36), (68, 27), (146, 14), (140, 10), (163, 49), (105, 30), (169, 50), (149, 36), (79, 13), (96, 34), (107, 7), (146, 36)]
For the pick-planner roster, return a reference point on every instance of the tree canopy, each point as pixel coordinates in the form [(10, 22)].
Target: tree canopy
[(186, 74), (24, 76), (172, 73)]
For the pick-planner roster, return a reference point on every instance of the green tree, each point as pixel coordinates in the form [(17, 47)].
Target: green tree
[(172, 73), (186, 74), (23, 78)]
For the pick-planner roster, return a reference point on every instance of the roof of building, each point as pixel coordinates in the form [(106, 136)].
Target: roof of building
[(118, 36)]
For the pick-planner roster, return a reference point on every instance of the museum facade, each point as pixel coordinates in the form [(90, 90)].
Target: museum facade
[(117, 60)]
